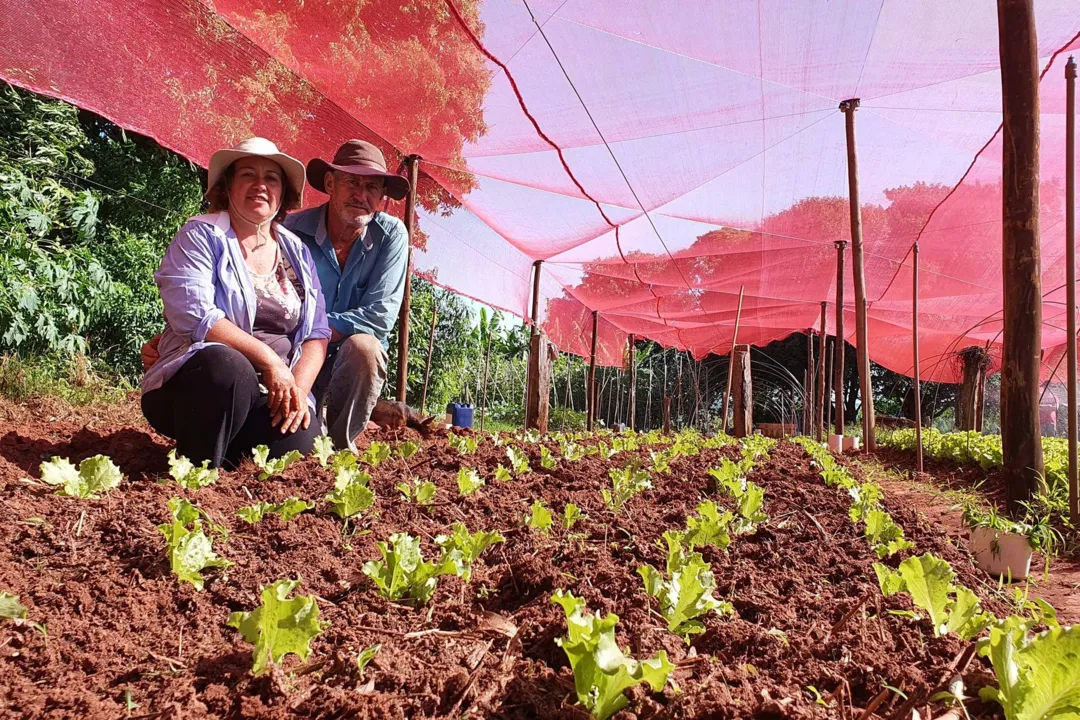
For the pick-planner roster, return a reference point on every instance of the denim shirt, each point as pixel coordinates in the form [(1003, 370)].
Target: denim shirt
[(364, 297), (203, 278)]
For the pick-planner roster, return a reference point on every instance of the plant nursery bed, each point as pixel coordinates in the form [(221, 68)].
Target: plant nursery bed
[(111, 633)]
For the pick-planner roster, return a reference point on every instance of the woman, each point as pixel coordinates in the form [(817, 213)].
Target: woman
[(246, 330)]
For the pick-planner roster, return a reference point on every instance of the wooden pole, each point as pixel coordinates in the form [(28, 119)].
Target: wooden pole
[(1070, 283), (667, 414), (591, 390), (631, 381), (731, 363), (483, 396), (538, 382), (915, 354), (830, 377), (848, 107), (838, 350), (413, 164), (743, 422), (430, 347), (819, 414), (1021, 441), (808, 391)]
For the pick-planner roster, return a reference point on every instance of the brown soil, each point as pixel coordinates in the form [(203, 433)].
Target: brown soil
[(95, 575)]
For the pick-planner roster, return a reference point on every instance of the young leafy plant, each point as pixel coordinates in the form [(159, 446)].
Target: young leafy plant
[(661, 460), (469, 481), (281, 625), (885, 536), (287, 510), (539, 518), (95, 477), (464, 444), (709, 527), (460, 549), (519, 462), (190, 550), (323, 449), (351, 494), (10, 607), (261, 455), (502, 474), (548, 460), (420, 492), (376, 453), (571, 452), (571, 514), (686, 592), (407, 449), (186, 475), (626, 483), (750, 498), (602, 672), (929, 581), (365, 656), (403, 571)]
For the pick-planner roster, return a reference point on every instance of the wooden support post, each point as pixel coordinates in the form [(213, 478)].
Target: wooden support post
[(667, 414), (430, 347), (819, 410), (980, 395), (830, 377), (743, 392), (413, 164), (967, 401), (1070, 283), (731, 361), (848, 107), (915, 356), (838, 349), (590, 391), (808, 390), (1021, 437), (538, 392), (631, 382)]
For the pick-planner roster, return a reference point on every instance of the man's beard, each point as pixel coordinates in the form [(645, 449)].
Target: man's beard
[(358, 223)]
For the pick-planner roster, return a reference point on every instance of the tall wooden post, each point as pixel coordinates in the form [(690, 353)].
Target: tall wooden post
[(538, 392), (667, 414), (838, 349), (848, 107), (430, 347), (731, 363), (915, 355), (1070, 283), (591, 390), (819, 410), (631, 381), (808, 391), (743, 423), (413, 164), (830, 378), (1021, 441)]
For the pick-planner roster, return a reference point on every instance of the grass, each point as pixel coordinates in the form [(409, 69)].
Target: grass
[(74, 381)]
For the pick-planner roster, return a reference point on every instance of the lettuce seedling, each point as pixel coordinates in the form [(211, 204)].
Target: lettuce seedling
[(749, 497), (95, 477), (502, 474), (261, 455), (188, 476), (287, 510), (519, 462), (281, 625), (571, 452), (351, 494), (571, 514), (190, 550), (661, 460), (885, 536), (539, 518), (376, 452), (253, 514), (469, 481), (323, 449), (403, 571), (728, 476), (343, 459), (626, 483), (365, 656), (466, 445), (686, 592), (10, 607), (710, 527), (460, 549), (929, 581), (422, 493), (407, 449), (547, 459), (602, 672)]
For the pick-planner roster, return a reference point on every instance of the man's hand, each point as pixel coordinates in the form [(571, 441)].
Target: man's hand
[(149, 352)]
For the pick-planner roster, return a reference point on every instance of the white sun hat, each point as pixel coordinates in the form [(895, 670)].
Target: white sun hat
[(257, 147)]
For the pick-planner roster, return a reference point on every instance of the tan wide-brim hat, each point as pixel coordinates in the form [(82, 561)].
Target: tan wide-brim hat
[(256, 147), (357, 157)]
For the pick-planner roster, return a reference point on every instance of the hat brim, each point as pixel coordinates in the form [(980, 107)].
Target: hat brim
[(222, 159), (397, 187)]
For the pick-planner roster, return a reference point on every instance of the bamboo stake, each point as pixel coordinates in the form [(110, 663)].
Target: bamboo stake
[(731, 363)]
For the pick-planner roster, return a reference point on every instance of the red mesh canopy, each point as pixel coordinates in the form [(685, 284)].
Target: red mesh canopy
[(656, 156)]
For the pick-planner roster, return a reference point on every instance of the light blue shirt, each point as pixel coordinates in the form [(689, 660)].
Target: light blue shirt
[(203, 278), (366, 295)]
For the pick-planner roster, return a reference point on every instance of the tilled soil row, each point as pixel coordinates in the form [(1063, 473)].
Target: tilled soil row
[(123, 639)]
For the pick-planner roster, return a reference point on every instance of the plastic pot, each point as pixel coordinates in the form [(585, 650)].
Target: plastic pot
[(851, 443), (836, 443), (1001, 554)]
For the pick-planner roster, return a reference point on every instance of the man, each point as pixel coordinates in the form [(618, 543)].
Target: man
[(361, 256)]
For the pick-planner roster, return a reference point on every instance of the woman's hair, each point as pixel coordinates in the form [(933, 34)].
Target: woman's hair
[(219, 194)]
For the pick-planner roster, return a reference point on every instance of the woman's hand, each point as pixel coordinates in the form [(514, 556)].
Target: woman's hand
[(283, 395)]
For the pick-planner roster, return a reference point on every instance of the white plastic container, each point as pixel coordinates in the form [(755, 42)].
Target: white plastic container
[(851, 443), (1001, 554), (836, 443)]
